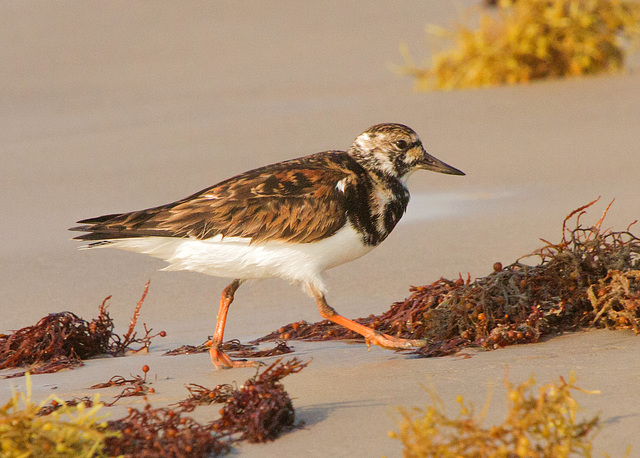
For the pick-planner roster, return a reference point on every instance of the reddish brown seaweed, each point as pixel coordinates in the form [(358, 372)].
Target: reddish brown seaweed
[(200, 395), (135, 386), (261, 409), (55, 405), (235, 348), (160, 432), (590, 279), (62, 340), (257, 412)]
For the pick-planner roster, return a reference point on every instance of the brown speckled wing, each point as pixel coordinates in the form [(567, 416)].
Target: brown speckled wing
[(292, 201)]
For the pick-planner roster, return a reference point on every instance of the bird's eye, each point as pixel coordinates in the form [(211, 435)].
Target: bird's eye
[(402, 144)]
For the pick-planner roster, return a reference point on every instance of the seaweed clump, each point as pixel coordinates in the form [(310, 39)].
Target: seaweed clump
[(70, 430), (156, 432), (257, 412), (531, 39), (261, 409), (591, 278), (535, 426), (62, 340)]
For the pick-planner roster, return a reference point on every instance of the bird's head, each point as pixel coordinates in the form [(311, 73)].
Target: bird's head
[(395, 150)]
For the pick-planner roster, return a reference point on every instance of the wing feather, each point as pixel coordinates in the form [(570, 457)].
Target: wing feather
[(293, 201)]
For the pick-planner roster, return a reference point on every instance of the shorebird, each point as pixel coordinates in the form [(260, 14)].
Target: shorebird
[(291, 220)]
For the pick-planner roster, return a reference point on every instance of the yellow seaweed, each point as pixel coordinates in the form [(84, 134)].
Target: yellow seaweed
[(74, 431), (535, 426), (528, 40)]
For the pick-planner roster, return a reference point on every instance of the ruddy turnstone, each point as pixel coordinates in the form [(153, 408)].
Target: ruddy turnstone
[(291, 220)]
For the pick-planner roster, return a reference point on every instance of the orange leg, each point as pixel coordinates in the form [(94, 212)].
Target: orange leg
[(371, 336), (218, 357)]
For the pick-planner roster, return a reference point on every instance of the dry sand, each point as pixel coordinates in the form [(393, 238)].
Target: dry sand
[(116, 106)]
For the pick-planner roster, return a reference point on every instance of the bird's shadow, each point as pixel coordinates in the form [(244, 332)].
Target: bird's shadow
[(309, 416), (313, 414)]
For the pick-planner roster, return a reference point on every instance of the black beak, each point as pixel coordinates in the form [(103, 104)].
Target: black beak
[(436, 165)]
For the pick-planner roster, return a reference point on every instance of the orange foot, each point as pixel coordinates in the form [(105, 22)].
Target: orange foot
[(222, 361), (390, 342), (371, 336)]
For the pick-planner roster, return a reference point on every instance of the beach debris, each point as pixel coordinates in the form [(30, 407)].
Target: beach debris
[(616, 300), (235, 348), (62, 340), (281, 348), (261, 409), (323, 330), (526, 40), (69, 429), (200, 395), (137, 386), (54, 365), (59, 338), (122, 345), (55, 404), (539, 425), (158, 432), (188, 350), (591, 278)]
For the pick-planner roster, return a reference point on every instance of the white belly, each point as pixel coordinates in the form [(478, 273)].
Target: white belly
[(234, 257)]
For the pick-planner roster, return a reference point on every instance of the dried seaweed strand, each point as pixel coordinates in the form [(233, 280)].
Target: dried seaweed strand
[(235, 348), (200, 395), (62, 340), (138, 386)]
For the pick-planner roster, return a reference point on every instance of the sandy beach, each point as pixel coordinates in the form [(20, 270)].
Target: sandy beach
[(115, 106)]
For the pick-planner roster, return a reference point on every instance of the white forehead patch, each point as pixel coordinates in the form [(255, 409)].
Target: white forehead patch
[(363, 140)]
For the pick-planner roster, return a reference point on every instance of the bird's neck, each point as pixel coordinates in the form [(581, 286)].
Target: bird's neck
[(378, 206)]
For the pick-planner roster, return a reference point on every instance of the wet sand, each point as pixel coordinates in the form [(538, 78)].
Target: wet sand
[(109, 107)]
